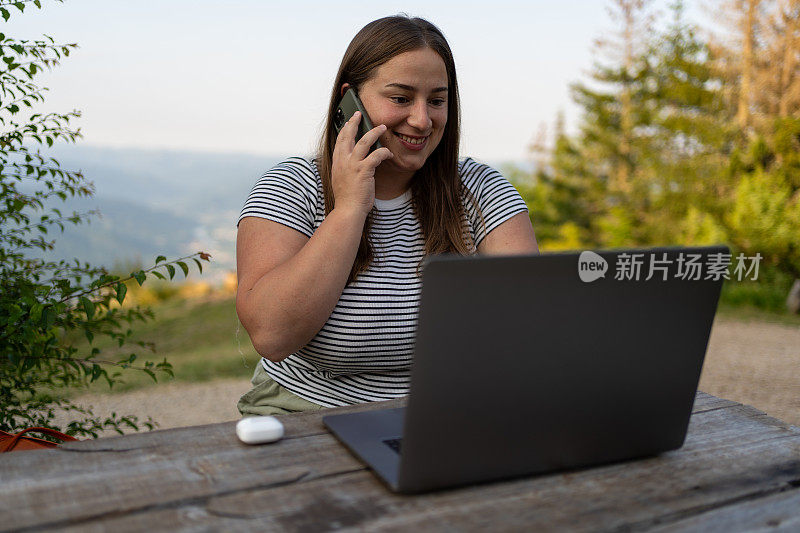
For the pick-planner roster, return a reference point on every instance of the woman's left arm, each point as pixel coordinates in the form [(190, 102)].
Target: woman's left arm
[(513, 237)]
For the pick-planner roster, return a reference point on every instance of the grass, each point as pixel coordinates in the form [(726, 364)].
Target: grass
[(751, 313), (201, 339), (764, 300)]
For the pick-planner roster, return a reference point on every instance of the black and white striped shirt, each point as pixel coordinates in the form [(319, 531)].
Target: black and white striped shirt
[(363, 352)]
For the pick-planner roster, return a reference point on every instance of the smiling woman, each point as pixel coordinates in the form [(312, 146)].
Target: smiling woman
[(408, 94), (330, 248)]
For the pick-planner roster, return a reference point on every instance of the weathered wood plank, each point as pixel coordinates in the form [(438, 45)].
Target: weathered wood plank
[(213, 436), (732, 453), (778, 512), (631, 495), (76, 457), (706, 402), (717, 429), (199, 438), (190, 517), (611, 497), (153, 480), (168, 457)]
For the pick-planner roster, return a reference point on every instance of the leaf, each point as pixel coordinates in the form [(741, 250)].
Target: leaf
[(88, 307), (159, 275), (160, 258), (184, 268), (166, 367), (48, 317), (89, 335), (121, 289), (36, 312), (199, 265), (139, 276), (171, 270), (15, 312), (5, 13)]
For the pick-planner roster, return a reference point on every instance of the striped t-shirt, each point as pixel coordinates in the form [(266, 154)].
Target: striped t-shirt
[(363, 352)]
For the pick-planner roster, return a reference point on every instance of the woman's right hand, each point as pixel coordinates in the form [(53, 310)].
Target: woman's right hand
[(353, 169)]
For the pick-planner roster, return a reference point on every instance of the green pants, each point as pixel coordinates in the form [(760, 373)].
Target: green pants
[(267, 397)]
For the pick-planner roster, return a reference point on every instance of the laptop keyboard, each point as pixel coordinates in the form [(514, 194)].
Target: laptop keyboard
[(394, 444)]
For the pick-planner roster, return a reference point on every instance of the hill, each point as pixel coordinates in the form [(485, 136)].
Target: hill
[(157, 202)]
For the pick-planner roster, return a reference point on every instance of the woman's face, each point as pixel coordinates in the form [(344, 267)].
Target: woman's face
[(408, 93)]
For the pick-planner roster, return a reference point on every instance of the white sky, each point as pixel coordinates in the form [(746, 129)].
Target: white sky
[(254, 76)]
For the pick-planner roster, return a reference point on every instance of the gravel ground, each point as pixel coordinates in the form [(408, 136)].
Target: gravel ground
[(755, 363), (172, 404)]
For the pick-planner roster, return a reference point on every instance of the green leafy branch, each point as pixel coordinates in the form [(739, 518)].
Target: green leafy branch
[(46, 221), (50, 123), (19, 4), (46, 306), (91, 369), (119, 286)]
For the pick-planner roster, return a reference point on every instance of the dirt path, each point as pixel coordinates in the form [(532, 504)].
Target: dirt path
[(171, 404), (756, 363)]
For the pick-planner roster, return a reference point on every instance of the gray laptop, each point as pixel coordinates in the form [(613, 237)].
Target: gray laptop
[(532, 364)]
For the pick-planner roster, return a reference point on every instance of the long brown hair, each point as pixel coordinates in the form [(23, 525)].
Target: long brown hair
[(436, 189)]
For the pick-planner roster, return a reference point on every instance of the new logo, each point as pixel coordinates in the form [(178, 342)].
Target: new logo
[(591, 266)]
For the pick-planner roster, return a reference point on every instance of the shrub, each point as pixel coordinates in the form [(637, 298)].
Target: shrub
[(45, 304)]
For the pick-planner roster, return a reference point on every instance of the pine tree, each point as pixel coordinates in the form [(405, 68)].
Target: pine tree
[(566, 197), (600, 170), (691, 137)]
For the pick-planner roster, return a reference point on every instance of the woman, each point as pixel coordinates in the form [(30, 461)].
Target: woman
[(329, 250)]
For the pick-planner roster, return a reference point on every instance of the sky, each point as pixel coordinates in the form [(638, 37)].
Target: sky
[(254, 76)]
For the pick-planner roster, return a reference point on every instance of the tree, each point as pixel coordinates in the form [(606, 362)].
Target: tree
[(564, 197), (45, 305), (759, 55), (687, 146), (778, 73), (764, 213), (760, 61), (595, 179)]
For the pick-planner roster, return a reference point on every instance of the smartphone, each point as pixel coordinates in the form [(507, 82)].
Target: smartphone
[(348, 105)]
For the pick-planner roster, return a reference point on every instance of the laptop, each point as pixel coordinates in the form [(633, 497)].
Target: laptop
[(539, 363)]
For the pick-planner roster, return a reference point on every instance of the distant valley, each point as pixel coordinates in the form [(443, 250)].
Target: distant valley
[(154, 203), (157, 203)]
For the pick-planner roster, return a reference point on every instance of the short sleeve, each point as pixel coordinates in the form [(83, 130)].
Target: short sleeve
[(285, 194), (497, 198)]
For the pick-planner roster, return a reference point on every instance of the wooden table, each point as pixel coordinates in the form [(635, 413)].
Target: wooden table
[(739, 470)]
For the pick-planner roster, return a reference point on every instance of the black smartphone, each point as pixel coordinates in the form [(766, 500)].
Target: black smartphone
[(348, 105)]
